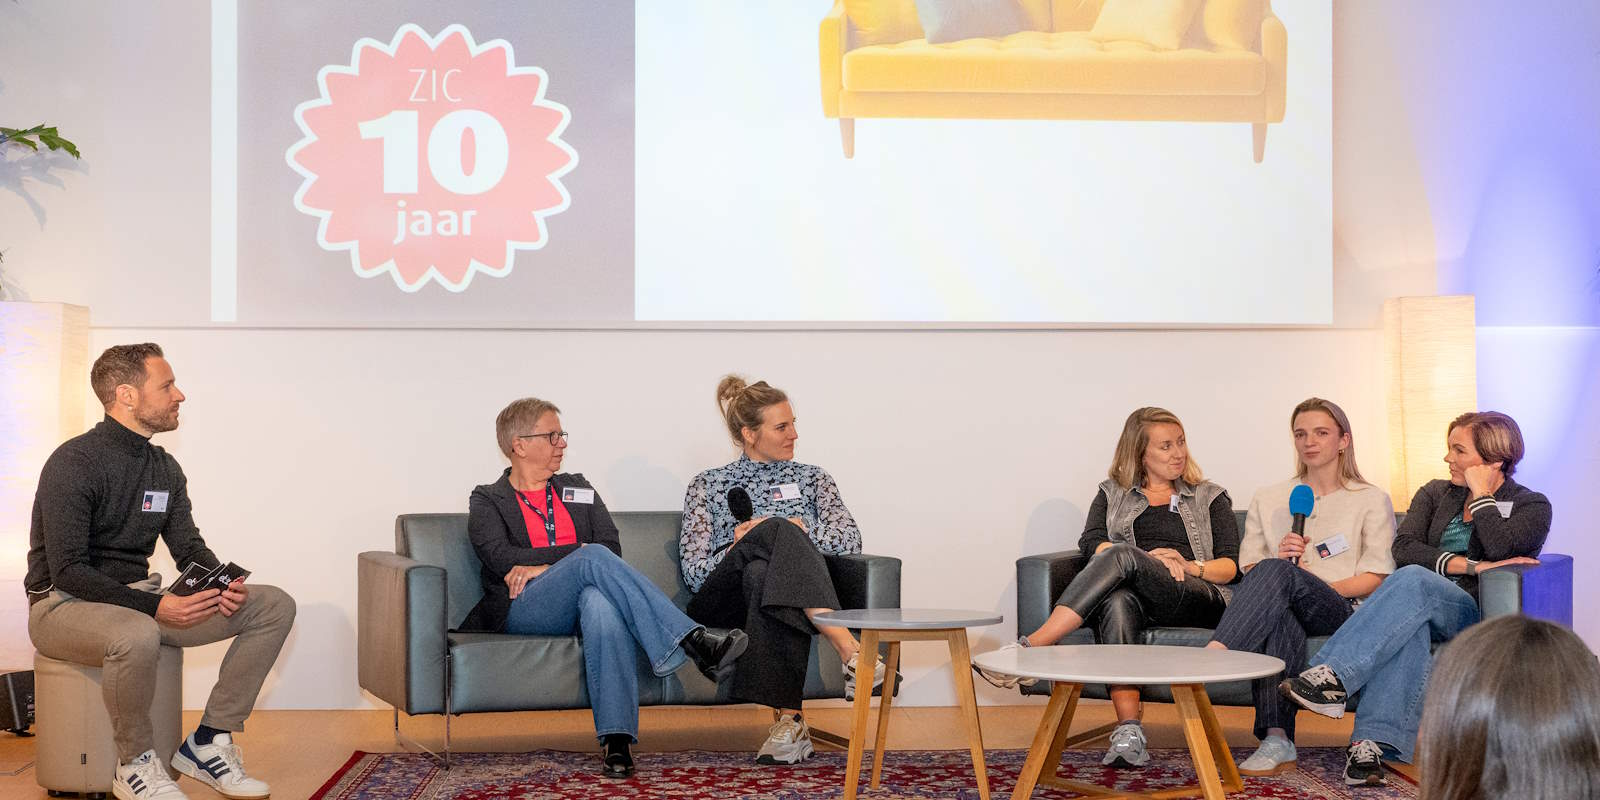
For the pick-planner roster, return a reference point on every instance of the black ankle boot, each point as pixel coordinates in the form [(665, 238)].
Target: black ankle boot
[(714, 653), (615, 760)]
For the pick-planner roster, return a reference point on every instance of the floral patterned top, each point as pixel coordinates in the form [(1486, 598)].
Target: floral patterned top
[(708, 524)]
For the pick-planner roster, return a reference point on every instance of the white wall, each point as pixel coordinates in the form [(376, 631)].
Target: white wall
[(958, 451)]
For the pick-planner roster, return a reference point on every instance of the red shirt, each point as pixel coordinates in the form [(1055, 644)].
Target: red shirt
[(566, 533)]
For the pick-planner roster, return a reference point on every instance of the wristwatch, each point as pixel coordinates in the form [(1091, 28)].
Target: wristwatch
[(1472, 567), (1199, 568)]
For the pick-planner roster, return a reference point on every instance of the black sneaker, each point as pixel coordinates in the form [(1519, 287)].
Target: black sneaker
[(615, 760), (1317, 689), (1363, 764)]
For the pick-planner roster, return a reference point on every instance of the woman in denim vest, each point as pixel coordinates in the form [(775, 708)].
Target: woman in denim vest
[(1162, 542)]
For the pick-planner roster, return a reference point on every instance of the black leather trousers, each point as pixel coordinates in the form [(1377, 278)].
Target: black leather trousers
[(1124, 590)]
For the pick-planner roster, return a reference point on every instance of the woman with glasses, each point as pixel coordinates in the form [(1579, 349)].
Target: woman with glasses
[(552, 566), (754, 532), (1304, 585), (1162, 541)]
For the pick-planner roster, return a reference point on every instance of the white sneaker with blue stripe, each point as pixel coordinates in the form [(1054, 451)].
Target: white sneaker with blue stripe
[(144, 778), (219, 765)]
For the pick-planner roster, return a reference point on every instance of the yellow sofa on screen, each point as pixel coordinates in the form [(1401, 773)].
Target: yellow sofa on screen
[(1229, 67)]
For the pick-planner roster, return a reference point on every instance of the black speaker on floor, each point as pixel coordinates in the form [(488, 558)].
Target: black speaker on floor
[(16, 701)]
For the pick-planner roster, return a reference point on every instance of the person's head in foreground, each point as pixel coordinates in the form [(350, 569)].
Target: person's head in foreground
[(1513, 710)]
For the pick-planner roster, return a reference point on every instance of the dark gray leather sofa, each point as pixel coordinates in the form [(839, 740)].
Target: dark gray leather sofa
[(409, 602), (1543, 591)]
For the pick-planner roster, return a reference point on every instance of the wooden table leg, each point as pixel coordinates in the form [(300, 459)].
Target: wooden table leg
[(885, 701), (961, 672), (1219, 742), (1052, 758), (1202, 748), (858, 724), (1062, 697)]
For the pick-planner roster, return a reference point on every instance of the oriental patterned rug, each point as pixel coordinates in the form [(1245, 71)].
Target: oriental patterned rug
[(698, 774)]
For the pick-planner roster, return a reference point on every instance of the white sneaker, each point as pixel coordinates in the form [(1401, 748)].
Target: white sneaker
[(788, 742), (219, 765), (1127, 747), (878, 673), (144, 778), (1275, 756), (1001, 679)]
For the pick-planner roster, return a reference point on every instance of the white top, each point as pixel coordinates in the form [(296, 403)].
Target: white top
[(1360, 513), (907, 619), (1128, 663)]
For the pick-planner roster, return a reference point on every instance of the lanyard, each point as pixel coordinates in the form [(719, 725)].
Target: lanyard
[(549, 515)]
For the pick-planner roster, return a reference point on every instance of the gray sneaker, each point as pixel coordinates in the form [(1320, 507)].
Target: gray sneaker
[(1275, 756), (1002, 680), (788, 742), (1127, 747)]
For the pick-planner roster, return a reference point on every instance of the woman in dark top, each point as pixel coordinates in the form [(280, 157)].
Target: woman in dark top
[(762, 566), (552, 566), (1162, 541), (1478, 520)]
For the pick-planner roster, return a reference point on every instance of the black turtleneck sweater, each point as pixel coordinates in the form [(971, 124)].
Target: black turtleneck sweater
[(91, 532)]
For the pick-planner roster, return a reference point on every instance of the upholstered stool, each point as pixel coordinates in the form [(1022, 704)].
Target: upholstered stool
[(75, 751)]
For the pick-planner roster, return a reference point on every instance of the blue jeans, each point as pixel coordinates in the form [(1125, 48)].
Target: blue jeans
[(1385, 651), (618, 612)]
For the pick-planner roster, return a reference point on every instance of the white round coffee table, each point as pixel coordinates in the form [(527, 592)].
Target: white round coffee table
[(893, 626), (1186, 669)]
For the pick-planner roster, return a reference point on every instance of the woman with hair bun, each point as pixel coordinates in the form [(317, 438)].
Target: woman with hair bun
[(755, 561)]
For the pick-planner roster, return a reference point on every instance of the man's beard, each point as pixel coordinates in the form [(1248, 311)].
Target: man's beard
[(157, 421)]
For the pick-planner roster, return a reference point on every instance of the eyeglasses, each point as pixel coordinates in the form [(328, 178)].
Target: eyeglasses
[(553, 437)]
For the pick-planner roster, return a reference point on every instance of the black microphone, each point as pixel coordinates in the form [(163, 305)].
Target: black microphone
[(740, 507), (1301, 501), (739, 504)]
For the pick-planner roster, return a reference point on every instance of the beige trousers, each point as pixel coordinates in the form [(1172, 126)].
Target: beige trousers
[(125, 643)]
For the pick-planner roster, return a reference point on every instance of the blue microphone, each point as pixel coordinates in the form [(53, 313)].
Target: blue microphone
[(1301, 500)]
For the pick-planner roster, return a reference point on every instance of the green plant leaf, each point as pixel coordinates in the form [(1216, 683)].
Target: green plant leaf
[(46, 135), (54, 142)]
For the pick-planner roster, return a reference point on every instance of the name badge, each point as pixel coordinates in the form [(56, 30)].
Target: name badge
[(1505, 508), (785, 491), (1332, 546), (573, 494), (154, 502), (1172, 505)]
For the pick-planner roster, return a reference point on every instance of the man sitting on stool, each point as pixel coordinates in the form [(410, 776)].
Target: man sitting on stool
[(103, 499)]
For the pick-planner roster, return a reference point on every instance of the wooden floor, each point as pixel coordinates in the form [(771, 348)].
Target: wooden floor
[(296, 751)]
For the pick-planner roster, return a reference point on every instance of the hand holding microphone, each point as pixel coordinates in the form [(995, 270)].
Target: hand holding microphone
[(1301, 501)]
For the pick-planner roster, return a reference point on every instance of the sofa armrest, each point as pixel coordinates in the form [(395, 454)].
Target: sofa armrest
[(400, 631), (1040, 580), (833, 41), (1275, 50), (1542, 590), (865, 581)]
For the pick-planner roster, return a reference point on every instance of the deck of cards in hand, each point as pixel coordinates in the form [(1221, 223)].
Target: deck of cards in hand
[(198, 578)]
